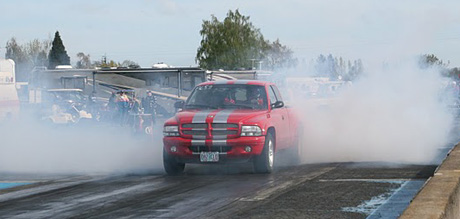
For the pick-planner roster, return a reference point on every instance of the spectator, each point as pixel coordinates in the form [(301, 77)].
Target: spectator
[(136, 112), (123, 107), (149, 103)]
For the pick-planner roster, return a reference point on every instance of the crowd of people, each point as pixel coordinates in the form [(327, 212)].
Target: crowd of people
[(127, 109)]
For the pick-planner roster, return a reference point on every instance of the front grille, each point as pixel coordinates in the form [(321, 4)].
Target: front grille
[(224, 132), (222, 149), (224, 125), (195, 125), (201, 130), (195, 132)]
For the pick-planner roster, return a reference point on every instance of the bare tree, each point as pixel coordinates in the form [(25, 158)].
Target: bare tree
[(84, 61)]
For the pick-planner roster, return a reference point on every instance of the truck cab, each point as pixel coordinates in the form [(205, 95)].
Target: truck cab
[(229, 121)]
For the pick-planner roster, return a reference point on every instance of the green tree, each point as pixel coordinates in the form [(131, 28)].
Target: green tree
[(279, 56), (454, 73), (112, 63), (336, 69), (106, 64), (27, 56), (231, 43), (130, 64), (58, 54), (37, 51), (15, 51), (430, 60)]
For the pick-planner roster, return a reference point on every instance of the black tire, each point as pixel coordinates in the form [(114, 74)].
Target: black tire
[(171, 166), (265, 161)]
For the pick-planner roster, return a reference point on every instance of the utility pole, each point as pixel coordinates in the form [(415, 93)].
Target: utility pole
[(104, 60), (252, 66)]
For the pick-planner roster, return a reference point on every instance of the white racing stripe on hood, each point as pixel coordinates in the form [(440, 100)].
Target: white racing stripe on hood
[(222, 116), (200, 117)]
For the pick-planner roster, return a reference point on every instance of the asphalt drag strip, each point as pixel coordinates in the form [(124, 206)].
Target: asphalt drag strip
[(218, 191), (349, 191)]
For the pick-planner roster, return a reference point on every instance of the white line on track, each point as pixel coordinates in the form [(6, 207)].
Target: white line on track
[(266, 193), (45, 188)]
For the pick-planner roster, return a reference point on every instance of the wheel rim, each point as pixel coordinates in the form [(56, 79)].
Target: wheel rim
[(270, 153)]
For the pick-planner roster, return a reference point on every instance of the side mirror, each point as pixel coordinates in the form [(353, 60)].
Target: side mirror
[(179, 104), (277, 104)]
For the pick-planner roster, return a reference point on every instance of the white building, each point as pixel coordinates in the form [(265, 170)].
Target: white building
[(9, 101)]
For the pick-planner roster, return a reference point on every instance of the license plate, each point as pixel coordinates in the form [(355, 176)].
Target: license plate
[(209, 156)]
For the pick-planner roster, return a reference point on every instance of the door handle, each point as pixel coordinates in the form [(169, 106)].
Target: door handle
[(282, 117)]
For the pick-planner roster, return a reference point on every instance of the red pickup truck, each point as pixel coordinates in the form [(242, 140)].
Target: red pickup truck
[(230, 121)]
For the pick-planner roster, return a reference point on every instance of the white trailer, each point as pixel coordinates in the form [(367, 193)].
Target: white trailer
[(9, 101)]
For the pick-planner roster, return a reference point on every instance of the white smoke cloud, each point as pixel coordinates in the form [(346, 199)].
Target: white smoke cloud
[(392, 114), (30, 147)]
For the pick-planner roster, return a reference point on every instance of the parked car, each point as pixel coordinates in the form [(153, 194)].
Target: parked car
[(64, 106)]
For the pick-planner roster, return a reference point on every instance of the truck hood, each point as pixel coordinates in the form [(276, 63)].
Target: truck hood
[(217, 116)]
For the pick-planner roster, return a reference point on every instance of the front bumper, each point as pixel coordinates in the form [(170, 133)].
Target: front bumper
[(230, 150)]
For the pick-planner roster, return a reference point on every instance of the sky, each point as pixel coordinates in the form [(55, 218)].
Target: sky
[(152, 31)]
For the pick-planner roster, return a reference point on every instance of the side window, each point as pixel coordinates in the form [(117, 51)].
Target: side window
[(272, 96), (277, 93)]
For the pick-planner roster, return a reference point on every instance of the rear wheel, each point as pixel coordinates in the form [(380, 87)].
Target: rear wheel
[(265, 161), (171, 166)]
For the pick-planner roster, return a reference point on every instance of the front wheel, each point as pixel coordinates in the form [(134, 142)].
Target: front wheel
[(265, 161), (171, 166)]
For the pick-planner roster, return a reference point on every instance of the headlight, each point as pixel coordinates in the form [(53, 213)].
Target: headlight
[(251, 131), (171, 130)]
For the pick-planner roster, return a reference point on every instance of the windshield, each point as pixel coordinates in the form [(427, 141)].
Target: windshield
[(228, 96)]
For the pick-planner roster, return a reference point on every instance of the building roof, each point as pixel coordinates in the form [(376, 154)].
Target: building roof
[(65, 90)]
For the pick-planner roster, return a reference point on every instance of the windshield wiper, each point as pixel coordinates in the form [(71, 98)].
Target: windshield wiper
[(198, 106)]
